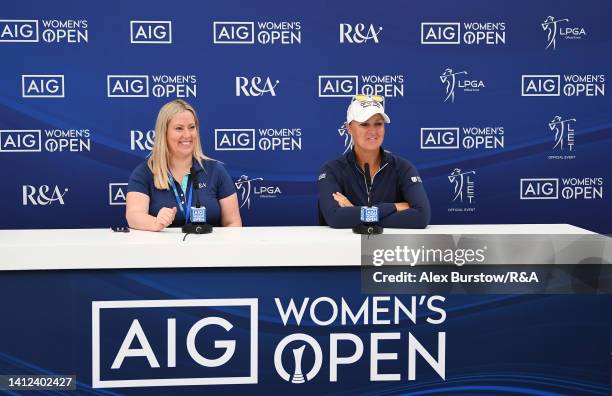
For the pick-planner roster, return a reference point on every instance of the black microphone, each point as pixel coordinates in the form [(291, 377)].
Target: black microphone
[(196, 185), (368, 177), (368, 216), (198, 224)]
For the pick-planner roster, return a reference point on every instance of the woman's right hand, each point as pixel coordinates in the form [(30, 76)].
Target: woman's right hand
[(164, 218)]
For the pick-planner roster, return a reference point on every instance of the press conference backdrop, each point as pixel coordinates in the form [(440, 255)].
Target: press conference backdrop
[(503, 106)]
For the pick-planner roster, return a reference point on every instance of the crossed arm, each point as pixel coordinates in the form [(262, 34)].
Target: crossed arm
[(339, 212)]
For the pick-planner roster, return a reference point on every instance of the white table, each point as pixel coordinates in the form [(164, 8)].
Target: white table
[(225, 247)]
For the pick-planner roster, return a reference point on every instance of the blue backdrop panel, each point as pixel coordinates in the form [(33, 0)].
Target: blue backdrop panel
[(495, 344), (502, 106)]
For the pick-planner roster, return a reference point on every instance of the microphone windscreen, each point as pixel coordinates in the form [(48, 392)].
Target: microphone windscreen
[(369, 214)]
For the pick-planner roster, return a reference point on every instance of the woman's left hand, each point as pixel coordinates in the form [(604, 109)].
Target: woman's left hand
[(342, 200)]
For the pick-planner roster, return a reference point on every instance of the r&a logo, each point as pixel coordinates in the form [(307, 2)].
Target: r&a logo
[(42, 195), (255, 86), (359, 34)]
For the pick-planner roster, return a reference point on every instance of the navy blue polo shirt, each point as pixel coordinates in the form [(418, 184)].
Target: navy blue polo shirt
[(215, 184), (397, 180)]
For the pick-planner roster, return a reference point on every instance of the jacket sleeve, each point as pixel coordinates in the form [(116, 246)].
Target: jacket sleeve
[(413, 192), (333, 214)]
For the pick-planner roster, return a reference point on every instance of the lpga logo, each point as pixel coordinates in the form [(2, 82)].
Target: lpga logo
[(244, 187), (453, 82), (348, 139), (552, 28), (463, 185)]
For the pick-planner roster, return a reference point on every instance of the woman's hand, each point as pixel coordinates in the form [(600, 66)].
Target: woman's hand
[(399, 206), (342, 200), (164, 218)]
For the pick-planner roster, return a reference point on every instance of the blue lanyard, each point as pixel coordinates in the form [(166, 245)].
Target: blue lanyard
[(186, 211)]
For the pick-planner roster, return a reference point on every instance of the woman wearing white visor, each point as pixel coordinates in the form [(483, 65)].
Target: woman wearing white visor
[(396, 187)]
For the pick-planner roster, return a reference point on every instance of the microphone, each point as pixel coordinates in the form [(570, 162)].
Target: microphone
[(368, 178), (368, 214), (197, 224), (196, 185)]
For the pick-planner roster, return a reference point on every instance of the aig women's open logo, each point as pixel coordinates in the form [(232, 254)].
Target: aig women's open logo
[(68, 31), (159, 86), (572, 188), (260, 139), (174, 342), (48, 140), (265, 33), (389, 86), (563, 85), (470, 33)]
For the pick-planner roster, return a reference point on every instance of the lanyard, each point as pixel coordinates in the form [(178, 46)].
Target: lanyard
[(186, 211)]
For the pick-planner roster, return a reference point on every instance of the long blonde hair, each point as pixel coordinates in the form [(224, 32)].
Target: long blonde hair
[(158, 160)]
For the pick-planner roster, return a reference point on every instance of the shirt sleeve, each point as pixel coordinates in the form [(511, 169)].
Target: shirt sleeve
[(334, 215), (413, 192), (140, 180), (225, 184)]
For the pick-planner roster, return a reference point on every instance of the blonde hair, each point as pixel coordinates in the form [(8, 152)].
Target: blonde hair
[(158, 160)]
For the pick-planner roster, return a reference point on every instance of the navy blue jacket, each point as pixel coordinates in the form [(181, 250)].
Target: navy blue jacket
[(396, 181)]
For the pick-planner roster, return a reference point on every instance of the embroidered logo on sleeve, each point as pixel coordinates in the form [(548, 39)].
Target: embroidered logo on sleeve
[(416, 179)]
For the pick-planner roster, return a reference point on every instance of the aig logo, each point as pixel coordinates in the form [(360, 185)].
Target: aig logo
[(42, 86), (151, 32), (174, 342), (42, 195), (440, 33), (338, 86), (359, 34), (255, 86), (439, 138), (18, 31), (20, 141), (539, 188), (127, 86), (234, 32), (235, 139), (541, 85), (117, 193)]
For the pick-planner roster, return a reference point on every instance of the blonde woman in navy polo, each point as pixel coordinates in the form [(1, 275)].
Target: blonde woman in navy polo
[(161, 190)]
